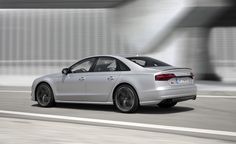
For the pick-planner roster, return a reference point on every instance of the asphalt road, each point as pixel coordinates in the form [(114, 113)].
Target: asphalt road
[(23, 131), (205, 113)]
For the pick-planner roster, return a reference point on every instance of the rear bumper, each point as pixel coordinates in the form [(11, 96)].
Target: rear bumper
[(175, 94), (183, 98)]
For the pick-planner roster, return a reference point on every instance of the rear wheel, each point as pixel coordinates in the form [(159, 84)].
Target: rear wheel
[(44, 95), (126, 99), (167, 104)]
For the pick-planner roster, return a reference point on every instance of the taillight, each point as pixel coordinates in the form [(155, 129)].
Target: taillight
[(164, 77)]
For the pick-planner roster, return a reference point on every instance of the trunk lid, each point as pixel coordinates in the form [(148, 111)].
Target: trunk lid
[(179, 72), (183, 76)]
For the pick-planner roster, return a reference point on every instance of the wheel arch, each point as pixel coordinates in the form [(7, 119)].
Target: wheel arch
[(124, 83), (36, 87)]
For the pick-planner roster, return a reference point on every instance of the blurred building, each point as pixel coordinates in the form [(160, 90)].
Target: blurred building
[(56, 37), (192, 33)]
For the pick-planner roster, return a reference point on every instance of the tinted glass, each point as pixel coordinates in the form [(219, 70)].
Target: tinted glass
[(122, 66), (147, 62), (82, 66), (106, 64)]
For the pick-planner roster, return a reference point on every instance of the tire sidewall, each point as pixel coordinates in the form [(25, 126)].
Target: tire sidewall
[(52, 101), (136, 99)]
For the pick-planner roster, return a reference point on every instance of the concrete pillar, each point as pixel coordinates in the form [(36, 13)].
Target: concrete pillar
[(195, 53)]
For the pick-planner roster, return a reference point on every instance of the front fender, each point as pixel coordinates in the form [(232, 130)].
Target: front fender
[(36, 82)]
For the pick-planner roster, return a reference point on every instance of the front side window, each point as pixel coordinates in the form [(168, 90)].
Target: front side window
[(83, 66), (106, 64)]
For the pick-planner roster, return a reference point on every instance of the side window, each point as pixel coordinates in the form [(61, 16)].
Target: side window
[(123, 67), (83, 66), (106, 64)]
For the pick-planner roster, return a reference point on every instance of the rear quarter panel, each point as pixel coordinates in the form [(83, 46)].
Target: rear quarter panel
[(141, 81)]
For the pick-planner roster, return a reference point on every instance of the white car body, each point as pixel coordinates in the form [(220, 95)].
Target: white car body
[(98, 87)]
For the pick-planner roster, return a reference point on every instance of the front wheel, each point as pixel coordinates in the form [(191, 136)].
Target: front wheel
[(167, 104), (44, 95), (126, 99)]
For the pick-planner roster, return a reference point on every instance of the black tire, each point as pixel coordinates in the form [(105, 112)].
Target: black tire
[(126, 99), (44, 95), (167, 104)]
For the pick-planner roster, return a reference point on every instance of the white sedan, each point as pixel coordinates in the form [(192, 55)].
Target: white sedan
[(125, 82)]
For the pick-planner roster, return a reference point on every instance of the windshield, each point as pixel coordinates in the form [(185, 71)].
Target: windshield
[(147, 62)]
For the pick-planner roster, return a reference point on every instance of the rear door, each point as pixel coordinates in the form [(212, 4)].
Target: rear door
[(100, 82)]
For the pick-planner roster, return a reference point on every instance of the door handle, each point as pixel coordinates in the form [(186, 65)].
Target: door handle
[(82, 78), (110, 78)]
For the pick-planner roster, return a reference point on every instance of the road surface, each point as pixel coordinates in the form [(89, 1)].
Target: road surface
[(209, 119)]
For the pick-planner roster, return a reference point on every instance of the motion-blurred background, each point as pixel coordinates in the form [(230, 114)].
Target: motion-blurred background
[(43, 36)]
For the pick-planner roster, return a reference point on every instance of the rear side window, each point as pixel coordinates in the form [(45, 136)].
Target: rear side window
[(122, 66), (147, 62), (106, 64)]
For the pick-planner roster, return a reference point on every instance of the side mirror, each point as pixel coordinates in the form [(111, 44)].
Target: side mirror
[(65, 71)]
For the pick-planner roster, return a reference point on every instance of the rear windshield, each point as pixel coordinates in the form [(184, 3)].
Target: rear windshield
[(147, 61)]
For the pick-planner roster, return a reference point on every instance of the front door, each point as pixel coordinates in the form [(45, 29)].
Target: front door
[(71, 87)]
